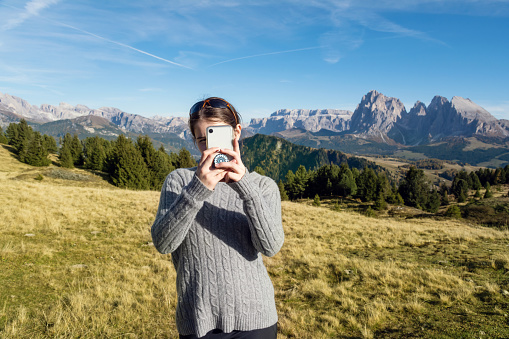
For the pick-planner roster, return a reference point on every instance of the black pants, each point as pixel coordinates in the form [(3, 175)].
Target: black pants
[(264, 333)]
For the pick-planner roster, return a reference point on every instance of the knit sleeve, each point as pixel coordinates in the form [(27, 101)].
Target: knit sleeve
[(178, 207), (262, 205)]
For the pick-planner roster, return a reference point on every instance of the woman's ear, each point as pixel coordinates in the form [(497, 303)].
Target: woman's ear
[(237, 131)]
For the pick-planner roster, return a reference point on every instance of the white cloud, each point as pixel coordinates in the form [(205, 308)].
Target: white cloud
[(32, 8)]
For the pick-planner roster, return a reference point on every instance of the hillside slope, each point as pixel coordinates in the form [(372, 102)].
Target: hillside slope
[(76, 260), (277, 156)]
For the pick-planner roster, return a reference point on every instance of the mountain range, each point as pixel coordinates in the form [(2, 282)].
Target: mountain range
[(379, 122)]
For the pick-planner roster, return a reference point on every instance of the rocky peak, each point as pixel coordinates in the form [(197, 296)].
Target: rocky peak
[(376, 114), (419, 109), (460, 117), (470, 110), (438, 102)]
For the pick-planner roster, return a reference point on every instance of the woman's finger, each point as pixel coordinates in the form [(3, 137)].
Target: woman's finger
[(233, 154), (207, 153), (231, 166), (234, 171), (236, 146)]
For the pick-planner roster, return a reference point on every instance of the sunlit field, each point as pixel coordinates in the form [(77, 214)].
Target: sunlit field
[(76, 260)]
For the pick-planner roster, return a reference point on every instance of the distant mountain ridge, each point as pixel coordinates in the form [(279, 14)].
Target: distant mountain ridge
[(311, 120), (125, 121), (377, 118), (385, 119)]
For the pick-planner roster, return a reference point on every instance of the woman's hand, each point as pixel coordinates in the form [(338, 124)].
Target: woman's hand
[(235, 169), (206, 172)]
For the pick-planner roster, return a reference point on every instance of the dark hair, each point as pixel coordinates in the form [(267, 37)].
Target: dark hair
[(229, 116)]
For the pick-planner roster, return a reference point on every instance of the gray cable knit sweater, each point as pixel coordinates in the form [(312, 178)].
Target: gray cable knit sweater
[(215, 239)]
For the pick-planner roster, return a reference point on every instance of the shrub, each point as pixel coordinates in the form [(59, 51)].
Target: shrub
[(453, 212), (336, 206), (316, 201), (370, 212)]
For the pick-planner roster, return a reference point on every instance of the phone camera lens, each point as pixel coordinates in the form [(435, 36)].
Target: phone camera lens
[(211, 130)]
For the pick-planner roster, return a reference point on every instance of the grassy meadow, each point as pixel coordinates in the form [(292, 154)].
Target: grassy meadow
[(76, 260)]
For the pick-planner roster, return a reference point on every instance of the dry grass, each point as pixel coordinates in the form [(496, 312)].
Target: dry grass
[(344, 274), (89, 269)]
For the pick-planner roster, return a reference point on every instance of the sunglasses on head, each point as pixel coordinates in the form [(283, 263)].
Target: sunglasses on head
[(214, 103)]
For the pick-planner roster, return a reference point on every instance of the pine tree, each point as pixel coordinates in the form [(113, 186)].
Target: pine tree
[(126, 166), (158, 162), (300, 181), (380, 203), (66, 141), (162, 167), (3, 138), (433, 202), (346, 186), (290, 185), (444, 198), (367, 185), (476, 183), (488, 193), (65, 157), (36, 153), (174, 159), (462, 197), (50, 144), (185, 160), (383, 187), (323, 181), (460, 188), (444, 195), (65, 154), (282, 191), (20, 142), (399, 199), (477, 193), (94, 153), (414, 188), (12, 133), (77, 151)]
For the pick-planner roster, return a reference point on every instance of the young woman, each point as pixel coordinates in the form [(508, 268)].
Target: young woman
[(216, 221)]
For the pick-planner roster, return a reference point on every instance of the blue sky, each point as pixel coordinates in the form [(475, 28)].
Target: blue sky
[(158, 57)]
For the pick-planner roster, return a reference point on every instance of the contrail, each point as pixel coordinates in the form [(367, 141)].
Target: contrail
[(121, 44), (265, 54), (37, 6)]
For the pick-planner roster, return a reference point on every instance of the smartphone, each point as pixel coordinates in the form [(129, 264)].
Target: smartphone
[(220, 136)]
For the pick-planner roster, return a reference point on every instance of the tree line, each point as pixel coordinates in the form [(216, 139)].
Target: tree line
[(127, 163), (138, 165), (370, 186), (366, 185), (30, 146)]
